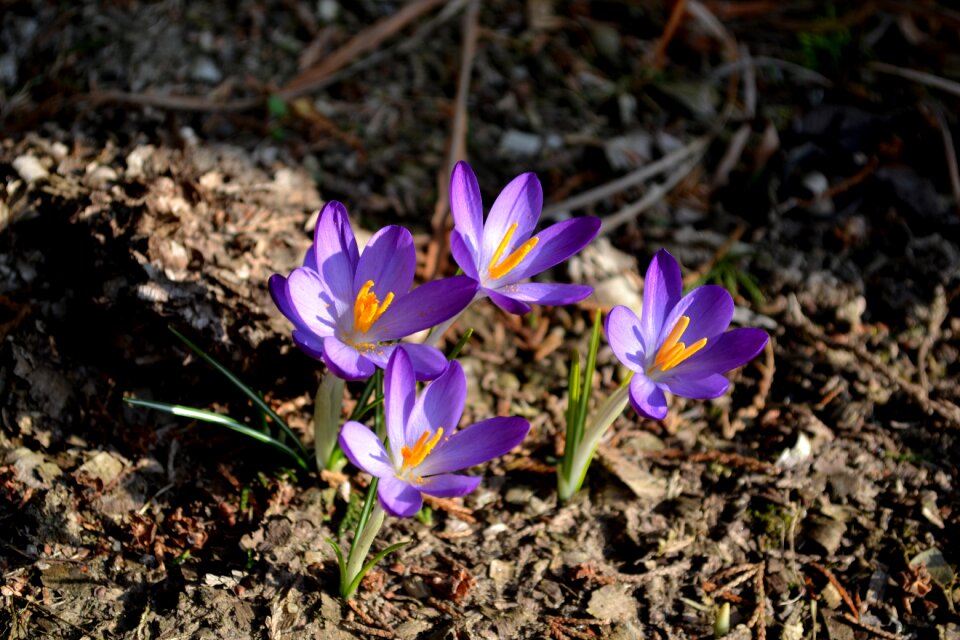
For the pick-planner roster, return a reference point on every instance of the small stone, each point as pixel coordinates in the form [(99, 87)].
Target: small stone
[(29, 168), (613, 603), (501, 572), (204, 70), (518, 495)]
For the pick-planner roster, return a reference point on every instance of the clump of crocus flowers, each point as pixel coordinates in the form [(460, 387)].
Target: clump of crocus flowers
[(351, 310)]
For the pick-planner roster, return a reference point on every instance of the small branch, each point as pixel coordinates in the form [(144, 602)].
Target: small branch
[(921, 77)]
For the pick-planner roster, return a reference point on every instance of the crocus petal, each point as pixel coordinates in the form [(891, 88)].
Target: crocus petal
[(398, 498), (426, 306), (662, 287), (555, 244), (440, 405), (308, 305), (725, 352), (389, 259), (710, 309), (308, 343), (335, 251), (519, 202), (364, 449), (712, 386), (400, 394), (623, 334), (475, 444), (448, 485), (345, 361), (428, 362), (546, 293), (507, 303), (647, 398), (467, 209), (463, 255)]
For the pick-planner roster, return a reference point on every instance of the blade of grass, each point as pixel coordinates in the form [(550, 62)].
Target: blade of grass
[(218, 418), (247, 391), (460, 344)]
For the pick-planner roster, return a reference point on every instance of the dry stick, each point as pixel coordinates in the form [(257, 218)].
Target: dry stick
[(174, 103), (364, 41), (951, 153), (883, 633), (938, 314), (653, 196), (921, 77), (669, 31), (458, 136), (946, 410), (632, 179), (839, 587)]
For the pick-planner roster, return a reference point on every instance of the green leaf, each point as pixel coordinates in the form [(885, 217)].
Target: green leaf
[(352, 587), (457, 348), (247, 391), (218, 418), (340, 562), (277, 106)]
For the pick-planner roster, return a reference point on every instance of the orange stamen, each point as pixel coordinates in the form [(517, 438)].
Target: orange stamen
[(499, 268), (672, 352), (420, 451), (367, 309)]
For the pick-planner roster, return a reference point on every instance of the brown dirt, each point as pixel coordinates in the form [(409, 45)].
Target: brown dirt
[(817, 500)]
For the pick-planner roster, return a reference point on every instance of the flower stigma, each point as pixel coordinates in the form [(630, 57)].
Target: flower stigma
[(499, 268), (672, 352), (367, 309), (424, 445)]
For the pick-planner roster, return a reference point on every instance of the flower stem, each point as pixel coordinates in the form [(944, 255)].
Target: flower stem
[(367, 530), (569, 483)]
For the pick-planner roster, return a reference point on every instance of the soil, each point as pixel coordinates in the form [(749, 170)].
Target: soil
[(161, 160)]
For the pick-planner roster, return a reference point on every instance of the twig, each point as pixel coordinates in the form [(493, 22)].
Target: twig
[(669, 31), (920, 77), (458, 135), (175, 103), (946, 410), (951, 155), (883, 633), (632, 179), (797, 70), (654, 195), (452, 507), (938, 314), (839, 587), (364, 41)]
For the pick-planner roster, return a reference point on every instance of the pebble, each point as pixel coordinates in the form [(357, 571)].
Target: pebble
[(29, 168)]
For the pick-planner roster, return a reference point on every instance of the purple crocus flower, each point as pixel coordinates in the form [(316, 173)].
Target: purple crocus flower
[(424, 445), (348, 308), (679, 344), (500, 254)]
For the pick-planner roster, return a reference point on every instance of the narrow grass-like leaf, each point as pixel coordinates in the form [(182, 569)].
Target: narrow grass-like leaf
[(352, 587), (457, 348), (247, 391), (573, 404), (340, 562), (588, 375), (218, 418)]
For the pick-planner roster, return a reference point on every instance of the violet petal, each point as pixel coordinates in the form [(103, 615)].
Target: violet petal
[(336, 251), (507, 303), (647, 398), (556, 243), (475, 444), (308, 343), (448, 485), (426, 306), (662, 288), (467, 209), (546, 293), (389, 260), (398, 498), (309, 302), (711, 386), (710, 309), (440, 405), (623, 334), (400, 394), (345, 361), (364, 449), (463, 256), (519, 202), (724, 352)]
